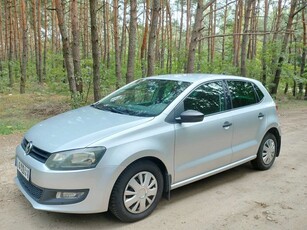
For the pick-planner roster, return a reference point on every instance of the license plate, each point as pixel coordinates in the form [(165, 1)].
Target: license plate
[(24, 170)]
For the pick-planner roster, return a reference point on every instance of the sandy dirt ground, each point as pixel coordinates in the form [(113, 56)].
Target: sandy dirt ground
[(240, 198)]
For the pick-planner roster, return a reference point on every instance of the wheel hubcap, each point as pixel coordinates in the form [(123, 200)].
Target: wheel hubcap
[(140, 192), (268, 152)]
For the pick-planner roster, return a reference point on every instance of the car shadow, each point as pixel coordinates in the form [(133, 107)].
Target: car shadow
[(212, 182), (82, 221)]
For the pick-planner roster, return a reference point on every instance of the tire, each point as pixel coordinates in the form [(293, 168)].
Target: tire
[(137, 191), (267, 153)]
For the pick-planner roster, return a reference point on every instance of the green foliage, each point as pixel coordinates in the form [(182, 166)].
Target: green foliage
[(76, 100), (254, 69)]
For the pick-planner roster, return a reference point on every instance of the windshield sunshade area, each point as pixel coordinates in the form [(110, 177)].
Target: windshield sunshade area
[(145, 97)]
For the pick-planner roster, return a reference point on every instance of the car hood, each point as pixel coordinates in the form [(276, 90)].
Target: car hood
[(79, 128)]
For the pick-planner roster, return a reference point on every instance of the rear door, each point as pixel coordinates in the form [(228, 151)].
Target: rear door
[(249, 119)]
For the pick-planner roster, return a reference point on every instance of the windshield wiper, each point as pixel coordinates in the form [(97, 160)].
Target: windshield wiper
[(108, 107)]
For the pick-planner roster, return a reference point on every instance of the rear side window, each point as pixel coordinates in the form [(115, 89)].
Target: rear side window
[(242, 93), (208, 98), (259, 93)]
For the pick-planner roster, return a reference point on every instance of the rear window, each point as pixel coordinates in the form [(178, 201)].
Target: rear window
[(242, 93)]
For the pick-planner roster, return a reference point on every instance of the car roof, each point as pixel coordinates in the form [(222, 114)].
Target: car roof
[(193, 77)]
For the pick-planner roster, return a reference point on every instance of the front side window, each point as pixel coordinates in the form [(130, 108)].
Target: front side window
[(242, 93), (146, 97), (207, 99)]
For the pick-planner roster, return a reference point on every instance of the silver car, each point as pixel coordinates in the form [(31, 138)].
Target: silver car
[(126, 151)]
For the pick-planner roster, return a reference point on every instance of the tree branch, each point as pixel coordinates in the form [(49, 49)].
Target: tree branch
[(299, 10)]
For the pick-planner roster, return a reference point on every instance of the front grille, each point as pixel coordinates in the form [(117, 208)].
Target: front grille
[(34, 191), (36, 153)]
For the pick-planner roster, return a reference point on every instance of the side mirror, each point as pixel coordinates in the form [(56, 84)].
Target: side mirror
[(190, 116)]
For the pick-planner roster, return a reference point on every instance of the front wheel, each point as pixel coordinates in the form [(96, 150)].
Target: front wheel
[(137, 191), (267, 153)]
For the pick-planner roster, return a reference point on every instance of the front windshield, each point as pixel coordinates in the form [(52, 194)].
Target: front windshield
[(145, 97)]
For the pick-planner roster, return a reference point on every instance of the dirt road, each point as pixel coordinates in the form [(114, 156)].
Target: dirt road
[(237, 199)]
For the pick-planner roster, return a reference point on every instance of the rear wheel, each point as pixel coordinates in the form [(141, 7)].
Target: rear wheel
[(267, 153), (137, 191)]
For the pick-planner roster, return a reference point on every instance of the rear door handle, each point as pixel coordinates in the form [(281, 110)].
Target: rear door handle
[(227, 124), (260, 115)]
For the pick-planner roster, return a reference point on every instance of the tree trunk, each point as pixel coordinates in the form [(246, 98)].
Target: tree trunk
[(1, 44), (132, 41), (278, 20), (10, 54), (209, 35), (116, 45), (180, 51), (144, 41), (23, 62), (255, 29), (180, 26), (104, 13), (196, 33), (286, 88), (66, 48), (275, 33), (107, 35), (283, 48), (213, 32), (170, 38), (245, 37), (53, 28), (160, 49), (224, 31), (304, 53), (45, 43), (152, 37), (85, 30), (123, 40), (195, 36), (95, 50), (264, 42), (294, 89), (188, 22), (252, 24), (75, 45), (35, 36), (237, 32), (39, 42), (17, 38), (7, 33)]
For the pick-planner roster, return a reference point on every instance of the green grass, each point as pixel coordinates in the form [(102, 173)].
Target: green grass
[(286, 103), (19, 112)]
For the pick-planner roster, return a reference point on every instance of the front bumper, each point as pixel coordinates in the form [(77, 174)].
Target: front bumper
[(94, 185)]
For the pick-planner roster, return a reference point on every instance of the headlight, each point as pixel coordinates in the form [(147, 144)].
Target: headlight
[(76, 159)]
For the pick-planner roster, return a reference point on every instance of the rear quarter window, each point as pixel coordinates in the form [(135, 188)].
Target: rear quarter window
[(242, 93), (259, 92)]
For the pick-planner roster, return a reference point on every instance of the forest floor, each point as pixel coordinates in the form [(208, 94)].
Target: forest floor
[(240, 198)]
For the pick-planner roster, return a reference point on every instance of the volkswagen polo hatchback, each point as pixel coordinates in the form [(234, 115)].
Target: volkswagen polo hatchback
[(124, 152)]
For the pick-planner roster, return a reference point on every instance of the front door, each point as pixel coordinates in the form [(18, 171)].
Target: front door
[(203, 146)]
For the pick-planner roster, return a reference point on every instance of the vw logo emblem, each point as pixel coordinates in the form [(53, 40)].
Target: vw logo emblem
[(29, 147)]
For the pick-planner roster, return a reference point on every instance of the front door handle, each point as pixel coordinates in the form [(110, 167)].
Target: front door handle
[(227, 124)]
